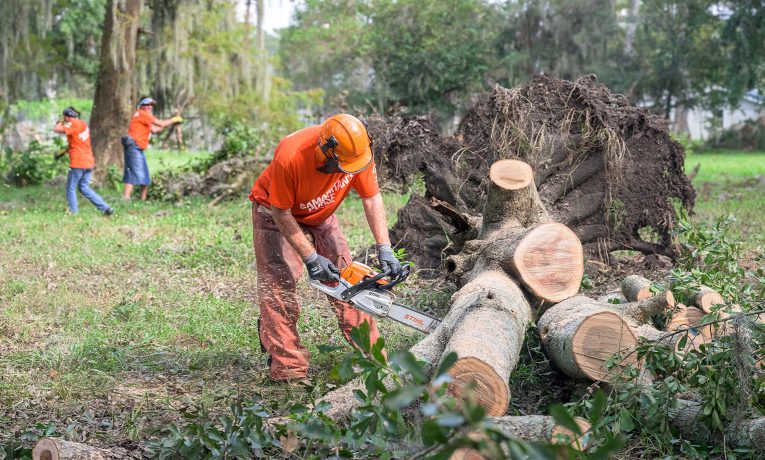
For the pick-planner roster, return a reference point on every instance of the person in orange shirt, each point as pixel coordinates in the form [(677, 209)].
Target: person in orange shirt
[(81, 161), (293, 220), (142, 126)]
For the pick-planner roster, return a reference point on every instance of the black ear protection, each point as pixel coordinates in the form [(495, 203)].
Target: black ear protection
[(332, 164)]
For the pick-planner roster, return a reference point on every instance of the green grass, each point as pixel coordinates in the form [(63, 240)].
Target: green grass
[(135, 315), (732, 183), (160, 160)]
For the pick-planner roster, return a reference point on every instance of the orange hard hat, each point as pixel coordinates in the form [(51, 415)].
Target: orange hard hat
[(345, 138)]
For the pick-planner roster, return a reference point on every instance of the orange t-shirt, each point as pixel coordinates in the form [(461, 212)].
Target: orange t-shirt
[(140, 128), (291, 180), (80, 152)]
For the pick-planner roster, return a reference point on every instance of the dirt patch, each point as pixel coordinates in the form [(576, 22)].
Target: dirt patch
[(604, 168)]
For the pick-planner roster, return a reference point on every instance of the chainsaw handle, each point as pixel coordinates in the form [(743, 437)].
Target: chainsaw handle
[(399, 279), (360, 286)]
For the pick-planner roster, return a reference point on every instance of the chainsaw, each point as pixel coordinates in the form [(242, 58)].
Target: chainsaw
[(369, 292)]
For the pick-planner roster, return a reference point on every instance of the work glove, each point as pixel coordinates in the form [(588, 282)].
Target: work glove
[(177, 119), (388, 260), (320, 268)]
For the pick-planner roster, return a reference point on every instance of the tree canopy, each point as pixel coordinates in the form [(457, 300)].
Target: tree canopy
[(390, 55)]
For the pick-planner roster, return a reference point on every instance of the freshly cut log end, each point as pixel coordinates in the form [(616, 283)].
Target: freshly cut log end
[(708, 298), (489, 388), (686, 317), (549, 262), (581, 348), (598, 339), (58, 449), (635, 288), (511, 174)]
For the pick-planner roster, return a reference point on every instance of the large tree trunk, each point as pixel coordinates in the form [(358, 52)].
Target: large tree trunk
[(113, 102)]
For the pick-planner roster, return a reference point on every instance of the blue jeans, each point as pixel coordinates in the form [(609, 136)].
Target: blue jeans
[(79, 179)]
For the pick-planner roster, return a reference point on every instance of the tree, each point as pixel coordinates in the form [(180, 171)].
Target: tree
[(48, 47), (679, 57), (423, 56), (114, 99)]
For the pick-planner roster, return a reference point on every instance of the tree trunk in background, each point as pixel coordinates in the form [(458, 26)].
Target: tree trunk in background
[(263, 86), (633, 19), (113, 102), (247, 58)]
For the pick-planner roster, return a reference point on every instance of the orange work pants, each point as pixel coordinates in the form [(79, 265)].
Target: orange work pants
[(278, 267)]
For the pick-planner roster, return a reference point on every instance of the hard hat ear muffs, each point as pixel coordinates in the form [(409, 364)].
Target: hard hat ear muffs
[(332, 164)]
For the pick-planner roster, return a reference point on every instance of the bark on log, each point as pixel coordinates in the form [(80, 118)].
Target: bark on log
[(635, 287), (686, 419), (613, 297), (706, 298), (488, 339), (532, 428), (58, 449), (581, 335), (428, 350)]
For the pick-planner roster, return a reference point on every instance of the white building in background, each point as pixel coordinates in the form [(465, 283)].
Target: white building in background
[(751, 107)]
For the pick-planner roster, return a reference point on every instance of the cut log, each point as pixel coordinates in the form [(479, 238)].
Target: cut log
[(488, 339), (686, 419), (706, 298), (531, 428), (635, 287), (58, 449), (581, 335), (686, 317), (512, 200)]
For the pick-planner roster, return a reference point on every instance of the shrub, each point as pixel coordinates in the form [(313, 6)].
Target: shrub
[(36, 164)]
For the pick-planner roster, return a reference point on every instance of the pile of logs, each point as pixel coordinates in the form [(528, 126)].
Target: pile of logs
[(524, 267)]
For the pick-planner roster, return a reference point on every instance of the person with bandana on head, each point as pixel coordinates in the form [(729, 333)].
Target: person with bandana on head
[(294, 225), (142, 126), (81, 162)]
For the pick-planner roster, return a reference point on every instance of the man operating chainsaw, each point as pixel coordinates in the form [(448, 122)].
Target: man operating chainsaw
[(293, 222)]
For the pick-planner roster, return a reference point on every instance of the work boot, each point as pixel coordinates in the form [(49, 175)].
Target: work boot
[(109, 212)]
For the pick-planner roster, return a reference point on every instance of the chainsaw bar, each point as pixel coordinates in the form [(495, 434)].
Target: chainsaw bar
[(413, 318), (379, 303)]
